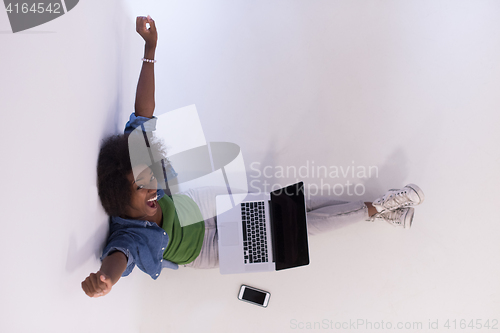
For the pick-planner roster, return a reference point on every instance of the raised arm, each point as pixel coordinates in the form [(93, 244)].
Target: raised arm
[(145, 94)]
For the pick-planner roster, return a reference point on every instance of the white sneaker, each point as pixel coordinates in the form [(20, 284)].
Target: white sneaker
[(410, 195), (399, 217)]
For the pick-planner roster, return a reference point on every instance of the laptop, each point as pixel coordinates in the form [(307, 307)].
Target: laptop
[(264, 232)]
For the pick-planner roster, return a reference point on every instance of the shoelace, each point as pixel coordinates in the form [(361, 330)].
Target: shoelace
[(393, 218), (399, 197)]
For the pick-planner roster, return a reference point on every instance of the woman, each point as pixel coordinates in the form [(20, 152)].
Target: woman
[(144, 224)]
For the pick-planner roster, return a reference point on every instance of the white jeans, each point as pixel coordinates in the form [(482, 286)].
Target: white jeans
[(323, 214)]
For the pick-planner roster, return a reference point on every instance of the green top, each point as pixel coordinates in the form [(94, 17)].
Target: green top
[(184, 242)]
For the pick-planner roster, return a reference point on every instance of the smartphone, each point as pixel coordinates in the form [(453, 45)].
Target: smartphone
[(254, 296)]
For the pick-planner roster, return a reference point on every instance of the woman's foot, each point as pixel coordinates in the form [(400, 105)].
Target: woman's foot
[(410, 195)]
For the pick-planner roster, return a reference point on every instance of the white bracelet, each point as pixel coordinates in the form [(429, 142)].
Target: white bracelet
[(148, 60)]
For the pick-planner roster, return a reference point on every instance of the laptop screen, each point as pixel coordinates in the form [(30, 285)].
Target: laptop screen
[(289, 229)]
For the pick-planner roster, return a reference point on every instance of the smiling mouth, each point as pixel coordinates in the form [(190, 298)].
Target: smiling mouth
[(152, 202)]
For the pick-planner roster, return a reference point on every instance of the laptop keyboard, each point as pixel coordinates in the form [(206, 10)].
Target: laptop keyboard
[(254, 232)]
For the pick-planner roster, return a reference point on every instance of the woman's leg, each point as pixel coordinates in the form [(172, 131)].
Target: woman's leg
[(325, 213), (394, 207)]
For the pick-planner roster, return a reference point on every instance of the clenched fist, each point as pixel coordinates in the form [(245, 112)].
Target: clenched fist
[(97, 284), (150, 35)]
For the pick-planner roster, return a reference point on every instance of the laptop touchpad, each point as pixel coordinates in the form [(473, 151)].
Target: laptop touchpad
[(229, 234)]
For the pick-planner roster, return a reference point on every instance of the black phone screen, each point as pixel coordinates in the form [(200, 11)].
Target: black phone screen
[(254, 296)]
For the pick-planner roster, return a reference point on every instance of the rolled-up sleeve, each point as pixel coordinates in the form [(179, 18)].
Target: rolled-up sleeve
[(147, 124), (124, 244)]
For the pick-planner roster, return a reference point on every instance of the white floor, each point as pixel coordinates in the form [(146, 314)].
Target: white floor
[(407, 88)]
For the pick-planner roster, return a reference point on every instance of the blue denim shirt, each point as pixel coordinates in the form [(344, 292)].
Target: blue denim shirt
[(143, 242)]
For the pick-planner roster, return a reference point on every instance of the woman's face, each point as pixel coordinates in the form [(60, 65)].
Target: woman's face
[(143, 201)]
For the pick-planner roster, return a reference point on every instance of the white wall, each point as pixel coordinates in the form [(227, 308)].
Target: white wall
[(407, 86)]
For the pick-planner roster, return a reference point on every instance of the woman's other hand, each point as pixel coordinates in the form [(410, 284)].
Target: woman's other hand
[(150, 35), (97, 284)]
